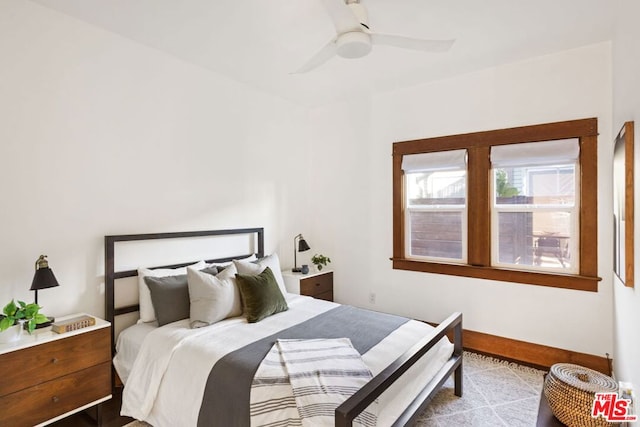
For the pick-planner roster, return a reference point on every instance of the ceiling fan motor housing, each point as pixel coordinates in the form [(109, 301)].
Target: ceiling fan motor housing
[(355, 44)]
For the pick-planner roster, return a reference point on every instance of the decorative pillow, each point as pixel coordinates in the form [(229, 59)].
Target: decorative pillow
[(222, 265), (170, 297), (261, 295), (147, 313), (212, 298), (253, 268), (213, 270)]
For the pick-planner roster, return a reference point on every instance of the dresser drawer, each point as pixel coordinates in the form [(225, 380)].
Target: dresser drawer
[(30, 366), (317, 285), (48, 400)]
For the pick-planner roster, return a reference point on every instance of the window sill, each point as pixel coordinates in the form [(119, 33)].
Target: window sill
[(565, 281)]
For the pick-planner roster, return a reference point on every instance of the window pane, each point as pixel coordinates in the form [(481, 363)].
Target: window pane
[(436, 234), (541, 239), (535, 185), (436, 188)]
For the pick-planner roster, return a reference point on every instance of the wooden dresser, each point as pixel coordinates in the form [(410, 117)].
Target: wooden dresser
[(47, 376), (318, 285)]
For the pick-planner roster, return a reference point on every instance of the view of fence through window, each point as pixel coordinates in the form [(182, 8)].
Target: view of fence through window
[(436, 205), (535, 216), (534, 209)]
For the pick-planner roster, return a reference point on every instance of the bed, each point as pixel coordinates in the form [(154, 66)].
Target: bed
[(175, 375)]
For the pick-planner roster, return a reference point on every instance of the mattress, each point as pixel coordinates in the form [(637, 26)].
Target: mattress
[(165, 369)]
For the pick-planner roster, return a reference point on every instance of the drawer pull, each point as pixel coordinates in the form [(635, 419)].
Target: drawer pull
[(54, 360), (55, 399)]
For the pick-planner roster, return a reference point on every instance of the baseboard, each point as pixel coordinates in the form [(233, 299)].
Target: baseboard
[(536, 355), (532, 354)]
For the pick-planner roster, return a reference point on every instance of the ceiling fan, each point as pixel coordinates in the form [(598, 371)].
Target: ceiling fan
[(354, 38)]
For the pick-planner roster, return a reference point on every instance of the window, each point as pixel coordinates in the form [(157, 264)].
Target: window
[(535, 218), (436, 205), (517, 205)]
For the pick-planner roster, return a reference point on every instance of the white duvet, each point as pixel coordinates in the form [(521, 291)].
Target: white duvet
[(168, 378)]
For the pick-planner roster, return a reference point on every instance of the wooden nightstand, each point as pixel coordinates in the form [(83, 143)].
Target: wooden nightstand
[(48, 376), (318, 285)]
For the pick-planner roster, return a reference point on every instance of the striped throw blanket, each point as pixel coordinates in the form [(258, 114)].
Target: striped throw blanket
[(302, 382)]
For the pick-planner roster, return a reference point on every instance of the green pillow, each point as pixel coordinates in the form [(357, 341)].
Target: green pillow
[(261, 295)]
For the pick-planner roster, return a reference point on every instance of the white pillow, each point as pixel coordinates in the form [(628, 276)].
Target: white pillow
[(147, 313), (213, 298), (270, 261), (228, 263)]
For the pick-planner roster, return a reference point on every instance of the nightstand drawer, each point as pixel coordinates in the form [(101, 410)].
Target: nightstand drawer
[(317, 285), (327, 296), (24, 368), (42, 402)]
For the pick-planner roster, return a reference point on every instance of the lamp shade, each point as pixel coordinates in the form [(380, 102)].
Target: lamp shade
[(44, 277), (302, 245)]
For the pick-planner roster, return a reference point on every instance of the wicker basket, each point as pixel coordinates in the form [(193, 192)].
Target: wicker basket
[(570, 390)]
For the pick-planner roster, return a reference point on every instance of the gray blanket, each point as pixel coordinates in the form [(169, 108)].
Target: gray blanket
[(227, 392)]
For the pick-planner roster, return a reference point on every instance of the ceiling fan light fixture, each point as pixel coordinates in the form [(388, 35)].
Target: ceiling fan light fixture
[(354, 44)]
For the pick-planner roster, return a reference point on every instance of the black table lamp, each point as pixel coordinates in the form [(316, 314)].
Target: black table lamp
[(43, 279), (302, 246)]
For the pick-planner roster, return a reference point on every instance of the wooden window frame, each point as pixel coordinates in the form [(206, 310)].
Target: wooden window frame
[(478, 147)]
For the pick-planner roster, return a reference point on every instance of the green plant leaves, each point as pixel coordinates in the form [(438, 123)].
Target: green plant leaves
[(6, 323), (41, 318), (29, 312), (320, 259), (31, 325), (10, 309)]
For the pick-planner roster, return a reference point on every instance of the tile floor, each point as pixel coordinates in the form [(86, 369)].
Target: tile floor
[(495, 394)]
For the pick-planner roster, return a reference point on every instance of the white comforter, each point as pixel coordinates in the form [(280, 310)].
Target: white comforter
[(167, 380)]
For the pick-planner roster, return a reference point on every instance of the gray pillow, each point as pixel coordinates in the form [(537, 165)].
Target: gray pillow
[(170, 296)]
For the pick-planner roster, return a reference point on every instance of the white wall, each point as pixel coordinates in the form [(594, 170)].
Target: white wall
[(99, 135), (626, 107), (103, 136), (355, 165)]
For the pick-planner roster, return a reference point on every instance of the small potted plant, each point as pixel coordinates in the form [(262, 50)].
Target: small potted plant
[(320, 261), (15, 315)]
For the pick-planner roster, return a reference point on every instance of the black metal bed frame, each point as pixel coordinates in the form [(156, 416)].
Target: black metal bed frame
[(358, 402)]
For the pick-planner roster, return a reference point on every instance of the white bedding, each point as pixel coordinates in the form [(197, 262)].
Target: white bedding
[(167, 380), (128, 346)]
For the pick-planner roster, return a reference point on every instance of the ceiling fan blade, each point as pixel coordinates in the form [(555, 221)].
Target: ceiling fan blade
[(322, 56), (344, 20), (411, 43)]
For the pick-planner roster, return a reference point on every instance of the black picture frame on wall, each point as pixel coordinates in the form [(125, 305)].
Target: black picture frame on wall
[(623, 208)]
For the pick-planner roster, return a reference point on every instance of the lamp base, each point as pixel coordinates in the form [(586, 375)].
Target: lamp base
[(296, 270), (43, 325)]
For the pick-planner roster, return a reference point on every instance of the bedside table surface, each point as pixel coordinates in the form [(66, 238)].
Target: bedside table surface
[(45, 335), (290, 273)]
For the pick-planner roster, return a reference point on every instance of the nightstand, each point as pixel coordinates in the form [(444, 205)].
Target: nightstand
[(48, 376), (318, 285)]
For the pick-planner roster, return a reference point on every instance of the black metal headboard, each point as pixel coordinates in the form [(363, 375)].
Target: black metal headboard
[(111, 275)]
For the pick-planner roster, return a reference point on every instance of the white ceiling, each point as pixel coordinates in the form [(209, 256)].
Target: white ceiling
[(260, 42)]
